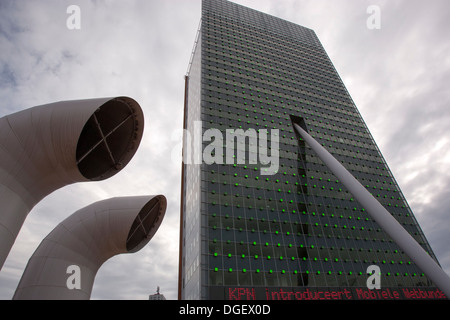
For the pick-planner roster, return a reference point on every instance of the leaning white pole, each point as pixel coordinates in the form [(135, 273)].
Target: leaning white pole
[(84, 241), (384, 219)]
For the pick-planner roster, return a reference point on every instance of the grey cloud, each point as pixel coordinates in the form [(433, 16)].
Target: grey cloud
[(434, 219)]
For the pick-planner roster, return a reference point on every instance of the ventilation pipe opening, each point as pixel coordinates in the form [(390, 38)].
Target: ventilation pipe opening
[(109, 138), (146, 223)]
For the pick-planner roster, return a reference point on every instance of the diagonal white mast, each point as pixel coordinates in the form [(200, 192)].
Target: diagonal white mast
[(384, 219)]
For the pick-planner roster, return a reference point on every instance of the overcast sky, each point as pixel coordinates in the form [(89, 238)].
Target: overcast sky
[(397, 75)]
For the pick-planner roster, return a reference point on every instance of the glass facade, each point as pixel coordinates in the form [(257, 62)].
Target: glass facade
[(245, 228)]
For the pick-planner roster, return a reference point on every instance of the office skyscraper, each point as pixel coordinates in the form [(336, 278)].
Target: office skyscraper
[(285, 228)]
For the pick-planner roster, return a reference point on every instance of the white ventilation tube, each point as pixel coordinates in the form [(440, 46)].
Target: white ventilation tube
[(78, 246), (47, 147)]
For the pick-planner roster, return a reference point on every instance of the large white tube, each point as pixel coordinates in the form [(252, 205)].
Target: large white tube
[(47, 147), (79, 245), (382, 217)]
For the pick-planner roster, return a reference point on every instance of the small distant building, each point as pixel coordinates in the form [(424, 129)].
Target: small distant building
[(156, 296)]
